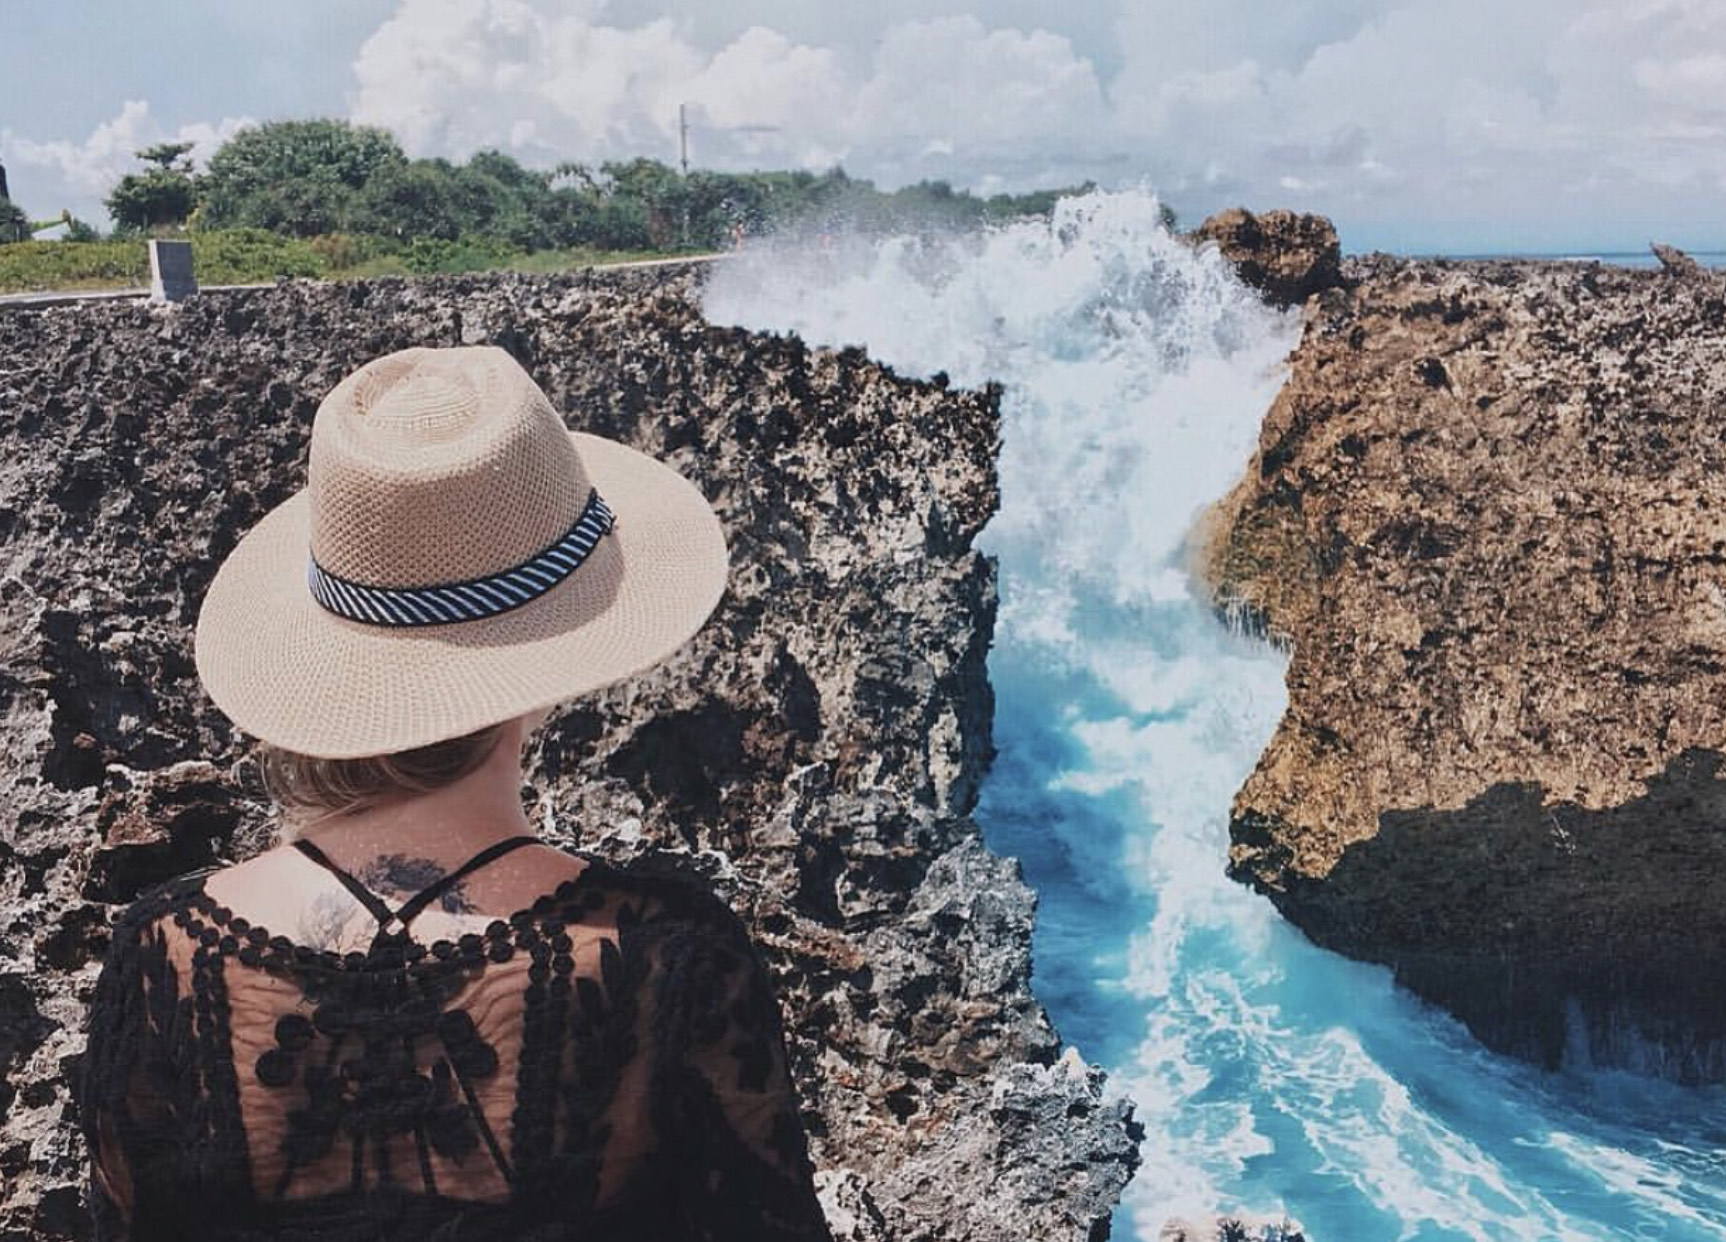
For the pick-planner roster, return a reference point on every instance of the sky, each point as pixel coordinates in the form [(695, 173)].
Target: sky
[(1419, 126)]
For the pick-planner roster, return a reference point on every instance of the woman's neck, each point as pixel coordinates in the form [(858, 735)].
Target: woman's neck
[(446, 826)]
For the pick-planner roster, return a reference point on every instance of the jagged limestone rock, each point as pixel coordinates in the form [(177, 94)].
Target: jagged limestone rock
[(1488, 513), (1286, 256)]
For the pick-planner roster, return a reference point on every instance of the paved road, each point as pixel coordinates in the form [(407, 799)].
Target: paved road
[(67, 297)]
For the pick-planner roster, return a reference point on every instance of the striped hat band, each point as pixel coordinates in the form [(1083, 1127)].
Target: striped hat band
[(473, 599)]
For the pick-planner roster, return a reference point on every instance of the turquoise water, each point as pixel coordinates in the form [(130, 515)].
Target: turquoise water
[(1270, 1076)]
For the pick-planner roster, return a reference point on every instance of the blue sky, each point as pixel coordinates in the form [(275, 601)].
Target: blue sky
[(1416, 124)]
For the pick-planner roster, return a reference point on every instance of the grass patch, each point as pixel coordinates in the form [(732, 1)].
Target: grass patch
[(31, 266), (250, 256), (256, 256), (228, 257)]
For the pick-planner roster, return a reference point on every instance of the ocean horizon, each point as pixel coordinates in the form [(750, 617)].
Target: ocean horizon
[(1630, 257)]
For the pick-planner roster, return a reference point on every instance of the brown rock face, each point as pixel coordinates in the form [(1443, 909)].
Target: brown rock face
[(816, 751), (1287, 257), (1488, 512)]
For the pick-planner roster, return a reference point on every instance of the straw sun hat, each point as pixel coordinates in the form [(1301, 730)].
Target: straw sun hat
[(457, 558)]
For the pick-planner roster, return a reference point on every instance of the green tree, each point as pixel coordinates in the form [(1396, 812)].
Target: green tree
[(619, 223), (409, 201), (80, 231), (659, 195), (160, 197), (168, 155), (294, 177), (499, 198), (14, 224)]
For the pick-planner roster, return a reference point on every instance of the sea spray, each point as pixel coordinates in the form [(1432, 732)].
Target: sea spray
[(1270, 1076)]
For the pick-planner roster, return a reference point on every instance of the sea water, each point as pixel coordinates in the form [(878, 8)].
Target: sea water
[(1271, 1077)]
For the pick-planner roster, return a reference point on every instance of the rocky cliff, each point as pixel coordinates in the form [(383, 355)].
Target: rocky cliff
[(1286, 256), (816, 751), (1488, 515)]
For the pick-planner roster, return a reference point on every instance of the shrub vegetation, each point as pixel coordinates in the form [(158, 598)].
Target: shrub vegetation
[(328, 198)]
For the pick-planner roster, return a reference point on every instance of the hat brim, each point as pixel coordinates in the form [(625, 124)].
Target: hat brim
[(287, 671)]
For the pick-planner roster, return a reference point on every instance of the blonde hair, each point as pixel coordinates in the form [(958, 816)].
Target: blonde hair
[(305, 786)]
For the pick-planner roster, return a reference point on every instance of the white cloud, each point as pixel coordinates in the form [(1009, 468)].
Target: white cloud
[(1468, 117), (955, 78), (763, 82), (89, 167), (1692, 82), (452, 76), (78, 175)]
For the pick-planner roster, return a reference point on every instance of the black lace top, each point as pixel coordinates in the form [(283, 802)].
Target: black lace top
[(606, 1064)]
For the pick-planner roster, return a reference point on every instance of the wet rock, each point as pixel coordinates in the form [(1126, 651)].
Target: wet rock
[(1488, 514), (1674, 262), (815, 752), (1235, 1228), (1286, 256)]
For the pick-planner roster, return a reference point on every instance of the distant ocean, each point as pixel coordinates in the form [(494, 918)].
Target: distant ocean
[(1270, 1076), (1643, 258)]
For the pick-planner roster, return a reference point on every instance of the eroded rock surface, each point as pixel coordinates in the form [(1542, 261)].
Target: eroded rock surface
[(816, 750), (1286, 256), (1488, 512)]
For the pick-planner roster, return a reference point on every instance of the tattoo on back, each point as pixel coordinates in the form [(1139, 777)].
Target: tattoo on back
[(336, 921), (399, 873), (327, 924)]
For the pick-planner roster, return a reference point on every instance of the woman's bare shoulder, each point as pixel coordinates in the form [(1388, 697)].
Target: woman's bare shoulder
[(262, 880), (285, 891)]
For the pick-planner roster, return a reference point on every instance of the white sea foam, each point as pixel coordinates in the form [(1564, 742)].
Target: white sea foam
[(1270, 1076)]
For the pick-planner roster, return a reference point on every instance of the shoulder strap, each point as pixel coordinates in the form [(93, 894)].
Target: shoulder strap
[(409, 909), (490, 854), (371, 901)]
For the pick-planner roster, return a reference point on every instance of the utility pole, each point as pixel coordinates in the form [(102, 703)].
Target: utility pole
[(683, 160)]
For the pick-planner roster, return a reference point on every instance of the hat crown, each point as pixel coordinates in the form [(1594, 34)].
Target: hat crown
[(437, 466)]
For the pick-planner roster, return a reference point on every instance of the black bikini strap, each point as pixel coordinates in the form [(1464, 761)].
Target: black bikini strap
[(490, 854), (370, 900), (411, 908)]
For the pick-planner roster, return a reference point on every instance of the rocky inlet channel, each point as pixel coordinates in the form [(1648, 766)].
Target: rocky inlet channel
[(816, 751)]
